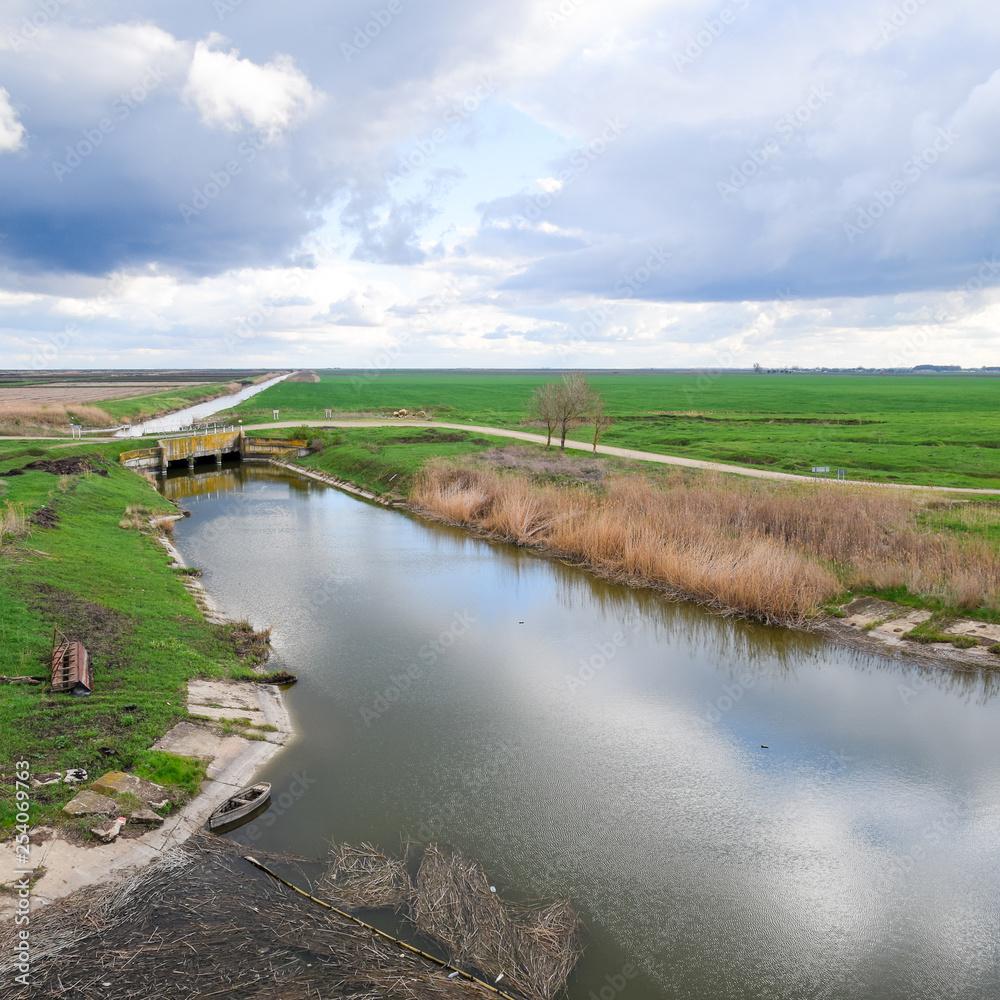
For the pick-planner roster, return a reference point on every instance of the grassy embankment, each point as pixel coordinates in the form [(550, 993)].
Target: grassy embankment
[(132, 409), (776, 552), (102, 577), (939, 430)]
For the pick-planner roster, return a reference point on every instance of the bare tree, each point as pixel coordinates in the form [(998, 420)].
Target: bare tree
[(545, 406), (575, 401), (601, 421)]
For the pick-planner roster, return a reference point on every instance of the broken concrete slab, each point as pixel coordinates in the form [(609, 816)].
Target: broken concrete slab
[(119, 783), (145, 817), (107, 830), (90, 803)]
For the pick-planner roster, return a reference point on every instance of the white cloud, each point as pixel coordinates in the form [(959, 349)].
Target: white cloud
[(230, 92), (11, 130)]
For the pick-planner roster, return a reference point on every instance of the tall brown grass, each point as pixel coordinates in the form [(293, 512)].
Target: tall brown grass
[(776, 552), (52, 417), (13, 521)]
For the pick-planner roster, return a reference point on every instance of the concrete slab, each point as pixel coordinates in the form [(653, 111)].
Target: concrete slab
[(981, 630), (120, 783), (90, 803), (903, 623)]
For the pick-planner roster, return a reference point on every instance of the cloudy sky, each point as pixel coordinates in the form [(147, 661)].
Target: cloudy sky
[(567, 183)]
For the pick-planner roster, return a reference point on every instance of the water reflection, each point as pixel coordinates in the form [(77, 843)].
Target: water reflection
[(853, 858)]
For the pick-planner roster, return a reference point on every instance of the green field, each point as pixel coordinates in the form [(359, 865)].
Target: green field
[(939, 430)]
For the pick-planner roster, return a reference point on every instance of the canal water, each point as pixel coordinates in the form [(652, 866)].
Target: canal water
[(736, 811), (192, 414)]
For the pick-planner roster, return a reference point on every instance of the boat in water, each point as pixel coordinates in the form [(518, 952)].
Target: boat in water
[(241, 807)]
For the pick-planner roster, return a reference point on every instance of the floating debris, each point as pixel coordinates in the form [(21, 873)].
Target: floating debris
[(363, 877), (203, 915)]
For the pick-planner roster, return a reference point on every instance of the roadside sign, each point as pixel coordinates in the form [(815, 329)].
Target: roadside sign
[(821, 468)]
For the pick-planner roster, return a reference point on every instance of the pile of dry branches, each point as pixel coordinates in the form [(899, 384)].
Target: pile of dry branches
[(534, 947), (203, 922), (362, 877)]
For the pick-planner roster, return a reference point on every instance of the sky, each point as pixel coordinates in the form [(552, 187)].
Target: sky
[(525, 183)]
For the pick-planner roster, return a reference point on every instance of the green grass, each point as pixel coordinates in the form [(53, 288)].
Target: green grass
[(135, 408), (941, 430), (384, 460), (113, 589)]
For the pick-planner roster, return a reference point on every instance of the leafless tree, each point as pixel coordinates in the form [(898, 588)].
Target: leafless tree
[(562, 404), (545, 406), (601, 421), (575, 401)]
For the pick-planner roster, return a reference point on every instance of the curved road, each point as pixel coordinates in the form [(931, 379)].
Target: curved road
[(604, 449)]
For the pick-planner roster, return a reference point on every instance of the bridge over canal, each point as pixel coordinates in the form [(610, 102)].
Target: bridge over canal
[(192, 448)]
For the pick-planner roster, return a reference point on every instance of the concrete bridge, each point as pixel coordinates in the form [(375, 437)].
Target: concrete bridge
[(191, 448)]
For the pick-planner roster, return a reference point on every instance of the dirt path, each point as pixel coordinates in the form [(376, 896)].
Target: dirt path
[(603, 449)]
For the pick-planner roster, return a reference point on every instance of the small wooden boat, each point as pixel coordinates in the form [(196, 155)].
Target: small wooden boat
[(241, 807)]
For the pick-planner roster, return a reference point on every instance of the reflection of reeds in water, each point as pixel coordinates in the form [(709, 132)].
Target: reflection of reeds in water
[(530, 948), (774, 551)]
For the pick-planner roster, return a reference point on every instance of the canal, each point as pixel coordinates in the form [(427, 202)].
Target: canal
[(736, 811)]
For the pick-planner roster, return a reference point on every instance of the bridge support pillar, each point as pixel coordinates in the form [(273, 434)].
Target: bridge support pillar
[(190, 461), (164, 464), (218, 458)]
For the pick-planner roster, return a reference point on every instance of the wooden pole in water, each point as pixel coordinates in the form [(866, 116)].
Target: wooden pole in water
[(375, 930)]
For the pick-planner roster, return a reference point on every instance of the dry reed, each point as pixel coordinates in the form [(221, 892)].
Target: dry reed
[(364, 877), (773, 551), (201, 921), (55, 416), (532, 948), (13, 521)]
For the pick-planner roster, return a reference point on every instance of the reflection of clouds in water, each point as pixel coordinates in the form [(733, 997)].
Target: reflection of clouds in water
[(718, 868)]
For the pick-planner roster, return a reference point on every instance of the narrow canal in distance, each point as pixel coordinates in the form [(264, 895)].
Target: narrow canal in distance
[(857, 857)]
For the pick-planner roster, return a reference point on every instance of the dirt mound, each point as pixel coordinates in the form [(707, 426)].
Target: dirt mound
[(303, 376), (44, 517), (70, 466)]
